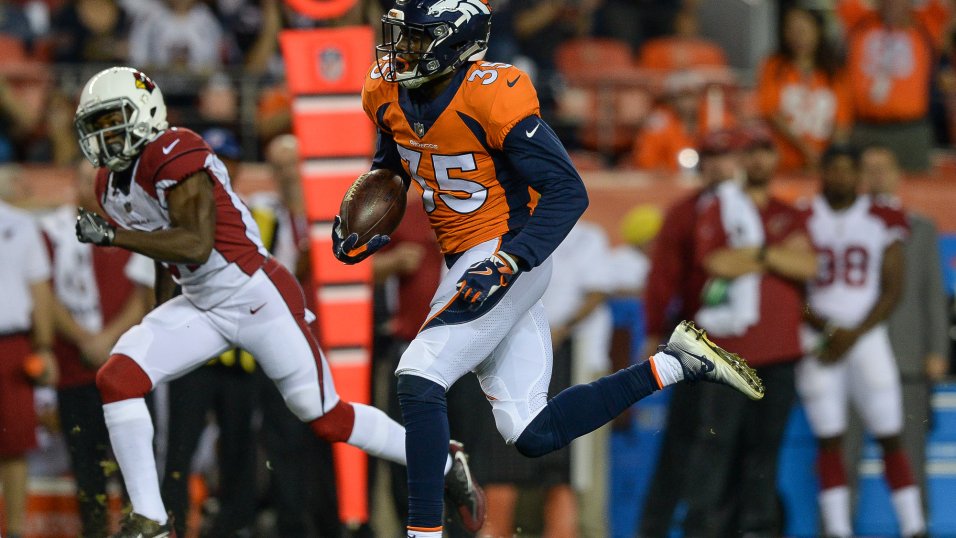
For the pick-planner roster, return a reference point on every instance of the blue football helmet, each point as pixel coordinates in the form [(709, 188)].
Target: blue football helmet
[(425, 39)]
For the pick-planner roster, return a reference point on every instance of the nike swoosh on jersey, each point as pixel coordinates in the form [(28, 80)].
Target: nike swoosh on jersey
[(256, 309), (487, 271), (530, 133), (511, 83), (167, 149)]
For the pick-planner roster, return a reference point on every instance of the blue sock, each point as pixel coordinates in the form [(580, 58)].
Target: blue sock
[(426, 447), (581, 409)]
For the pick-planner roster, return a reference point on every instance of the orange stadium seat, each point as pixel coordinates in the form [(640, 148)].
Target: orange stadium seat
[(590, 54)]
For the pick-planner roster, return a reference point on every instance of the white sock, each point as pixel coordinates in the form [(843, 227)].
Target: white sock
[(667, 369), (131, 434), (909, 510), (423, 534), (377, 434), (835, 511), (380, 436)]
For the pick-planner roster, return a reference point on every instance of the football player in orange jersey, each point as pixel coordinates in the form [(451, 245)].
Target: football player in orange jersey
[(501, 194)]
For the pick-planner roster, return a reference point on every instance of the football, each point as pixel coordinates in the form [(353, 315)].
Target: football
[(373, 205)]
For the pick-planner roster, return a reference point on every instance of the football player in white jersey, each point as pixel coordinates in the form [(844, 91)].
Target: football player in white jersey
[(859, 281), (168, 196)]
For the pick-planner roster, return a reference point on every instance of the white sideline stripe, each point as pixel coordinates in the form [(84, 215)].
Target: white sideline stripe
[(944, 400), (874, 468), (347, 357), (941, 468), (351, 166), (345, 294), (327, 103)]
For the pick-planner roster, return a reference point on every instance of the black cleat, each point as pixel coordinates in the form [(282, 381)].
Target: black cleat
[(462, 491)]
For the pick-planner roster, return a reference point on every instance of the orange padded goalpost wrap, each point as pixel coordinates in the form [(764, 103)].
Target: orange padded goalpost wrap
[(325, 70)]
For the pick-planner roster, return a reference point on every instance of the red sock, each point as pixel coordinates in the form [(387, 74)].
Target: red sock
[(896, 467), (830, 468)]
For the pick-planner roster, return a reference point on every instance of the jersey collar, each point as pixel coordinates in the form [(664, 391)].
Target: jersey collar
[(421, 114)]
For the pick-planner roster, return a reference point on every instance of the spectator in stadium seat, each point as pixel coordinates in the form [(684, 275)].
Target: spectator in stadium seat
[(891, 54), (672, 293), (673, 127), (942, 108), (181, 35), (760, 246), (254, 27), (685, 49), (89, 31), (636, 22), (16, 122), (26, 327), (540, 26), (802, 93), (100, 293), (918, 327)]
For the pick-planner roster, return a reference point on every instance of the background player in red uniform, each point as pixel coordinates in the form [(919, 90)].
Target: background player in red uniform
[(859, 243), (170, 198), (469, 135)]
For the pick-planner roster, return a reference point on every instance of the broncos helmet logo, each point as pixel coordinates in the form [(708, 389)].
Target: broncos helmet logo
[(467, 8)]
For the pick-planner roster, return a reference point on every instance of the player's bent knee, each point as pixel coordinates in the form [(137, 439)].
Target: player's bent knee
[(122, 379), (336, 425), (538, 438), (304, 403), (412, 387)]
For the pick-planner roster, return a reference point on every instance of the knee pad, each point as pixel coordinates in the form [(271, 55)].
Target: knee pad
[(122, 379), (336, 425)]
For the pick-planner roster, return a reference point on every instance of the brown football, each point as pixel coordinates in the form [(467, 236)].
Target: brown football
[(373, 205)]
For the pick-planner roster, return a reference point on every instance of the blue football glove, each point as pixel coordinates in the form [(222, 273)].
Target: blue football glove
[(92, 228), (486, 277), (346, 251)]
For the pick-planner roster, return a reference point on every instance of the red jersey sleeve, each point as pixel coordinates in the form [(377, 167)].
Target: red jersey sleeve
[(893, 218), (172, 157)]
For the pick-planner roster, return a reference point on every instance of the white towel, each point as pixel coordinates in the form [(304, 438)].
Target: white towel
[(744, 229)]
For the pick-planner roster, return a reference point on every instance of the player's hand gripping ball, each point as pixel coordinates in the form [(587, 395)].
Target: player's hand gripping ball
[(370, 211)]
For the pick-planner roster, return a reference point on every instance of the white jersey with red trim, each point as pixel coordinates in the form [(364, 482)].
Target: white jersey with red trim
[(171, 157), (850, 245)]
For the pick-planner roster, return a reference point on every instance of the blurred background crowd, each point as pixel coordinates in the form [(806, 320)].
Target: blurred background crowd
[(628, 82), (682, 94)]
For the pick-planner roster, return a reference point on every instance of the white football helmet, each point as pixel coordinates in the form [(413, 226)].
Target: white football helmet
[(120, 110)]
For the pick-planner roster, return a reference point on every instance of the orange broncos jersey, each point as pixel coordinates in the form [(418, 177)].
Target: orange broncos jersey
[(457, 163)]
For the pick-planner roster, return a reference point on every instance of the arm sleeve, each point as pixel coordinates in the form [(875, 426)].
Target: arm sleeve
[(767, 89), (851, 12), (934, 15), (543, 162), (387, 156)]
